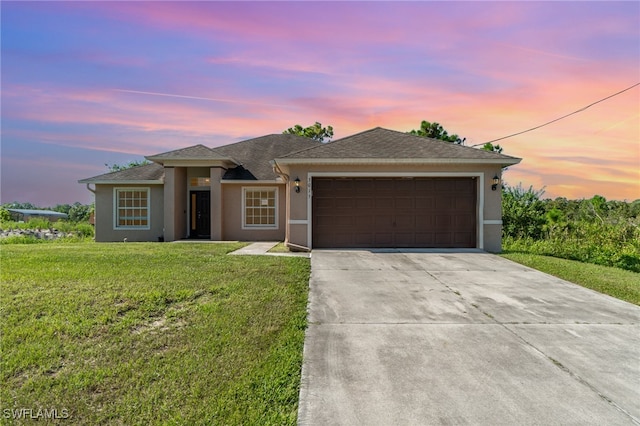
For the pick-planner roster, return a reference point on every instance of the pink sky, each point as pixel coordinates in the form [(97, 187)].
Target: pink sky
[(84, 84)]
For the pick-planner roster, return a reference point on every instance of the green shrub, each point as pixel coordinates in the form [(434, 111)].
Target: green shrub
[(598, 243)]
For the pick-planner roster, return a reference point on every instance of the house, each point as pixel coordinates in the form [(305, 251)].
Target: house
[(25, 215), (378, 188)]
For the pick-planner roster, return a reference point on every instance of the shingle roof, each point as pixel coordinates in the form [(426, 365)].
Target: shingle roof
[(379, 143), (146, 172), (196, 152), (255, 154), (33, 212)]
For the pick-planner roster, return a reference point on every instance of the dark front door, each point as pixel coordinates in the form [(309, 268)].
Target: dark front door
[(200, 214)]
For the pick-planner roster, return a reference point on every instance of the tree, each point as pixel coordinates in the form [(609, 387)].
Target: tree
[(436, 131), (80, 212), (523, 213), (5, 216), (130, 164), (315, 132), (492, 148)]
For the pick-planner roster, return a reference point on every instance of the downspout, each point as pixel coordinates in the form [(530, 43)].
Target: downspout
[(92, 190)]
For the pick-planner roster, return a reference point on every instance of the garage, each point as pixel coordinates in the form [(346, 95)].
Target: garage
[(394, 212)]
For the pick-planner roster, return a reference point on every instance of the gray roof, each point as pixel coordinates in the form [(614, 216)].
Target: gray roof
[(196, 152), (146, 172), (379, 143), (32, 212), (254, 155)]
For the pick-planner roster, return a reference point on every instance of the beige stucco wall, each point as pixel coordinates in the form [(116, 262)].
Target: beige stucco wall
[(104, 218), (232, 214), (489, 234), (175, 203)]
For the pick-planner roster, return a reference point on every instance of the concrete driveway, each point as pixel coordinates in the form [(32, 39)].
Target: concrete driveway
[(450, 337)]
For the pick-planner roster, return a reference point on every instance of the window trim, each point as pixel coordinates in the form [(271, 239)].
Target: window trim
[(117, 227), (276, 225)]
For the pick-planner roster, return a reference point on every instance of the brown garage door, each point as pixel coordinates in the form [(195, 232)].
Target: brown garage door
[(394, 212)]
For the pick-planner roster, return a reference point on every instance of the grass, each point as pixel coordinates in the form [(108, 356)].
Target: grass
[(619, 283), (146, 333), (279, 248)]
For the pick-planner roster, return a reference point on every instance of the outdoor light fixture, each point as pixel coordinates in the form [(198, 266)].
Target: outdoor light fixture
[(496, 181), (297, 183)]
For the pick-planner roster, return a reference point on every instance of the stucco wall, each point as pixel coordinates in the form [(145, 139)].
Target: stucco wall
[(104, 219), (488, 234), (232, 215)]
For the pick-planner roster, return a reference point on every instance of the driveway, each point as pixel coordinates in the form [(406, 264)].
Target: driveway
[(451, 337)]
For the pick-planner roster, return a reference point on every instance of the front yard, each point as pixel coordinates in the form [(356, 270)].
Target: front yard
[(144, 333)]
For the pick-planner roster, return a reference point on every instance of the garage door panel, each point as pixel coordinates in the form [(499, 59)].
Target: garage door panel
[(383, 202), (383, 239), (425, 239), (443, 239), (405, 239), (402, 202), (425, 223), (394, 212), (382, 185), (404, 222), (344, 203), (443, 221), (362, 239), (364, 222), (445, 202), (385, 221), (425, 203), (364, 203)]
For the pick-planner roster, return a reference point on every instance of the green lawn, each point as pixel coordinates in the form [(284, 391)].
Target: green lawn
[(148, 333), (619, 283)]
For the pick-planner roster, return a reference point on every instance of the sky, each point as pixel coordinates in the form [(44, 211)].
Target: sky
[(89, 83)]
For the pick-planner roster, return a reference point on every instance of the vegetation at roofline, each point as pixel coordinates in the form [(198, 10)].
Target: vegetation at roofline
[(436, 131), (592, 230), (119, 167), (315, 132)]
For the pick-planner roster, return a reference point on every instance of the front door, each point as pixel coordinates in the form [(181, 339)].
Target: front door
[(200, 214)]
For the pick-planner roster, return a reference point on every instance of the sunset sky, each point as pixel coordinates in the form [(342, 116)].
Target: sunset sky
[(89, 83)]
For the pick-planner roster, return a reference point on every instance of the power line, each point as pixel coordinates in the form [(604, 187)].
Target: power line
[(558, 119)]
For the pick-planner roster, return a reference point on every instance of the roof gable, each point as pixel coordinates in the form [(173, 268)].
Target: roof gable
[(196, 152), (146, 172), (385, 144), (255, 155)]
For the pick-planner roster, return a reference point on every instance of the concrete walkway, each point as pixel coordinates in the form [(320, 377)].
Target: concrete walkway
[(441, 338), (262, 249)]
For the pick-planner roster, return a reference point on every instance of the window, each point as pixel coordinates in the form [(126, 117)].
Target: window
[(200, 181), (260, 208), (132, 208)]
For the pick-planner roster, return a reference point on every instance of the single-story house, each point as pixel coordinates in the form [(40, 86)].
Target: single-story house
[(379, 188), (25, 215)]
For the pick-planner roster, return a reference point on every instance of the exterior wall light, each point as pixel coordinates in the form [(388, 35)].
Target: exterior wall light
[(496, 182), (297, 184)]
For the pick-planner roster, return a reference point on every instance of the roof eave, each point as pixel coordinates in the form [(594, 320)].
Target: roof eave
[(500, 161), (122, 182), (190, 161)]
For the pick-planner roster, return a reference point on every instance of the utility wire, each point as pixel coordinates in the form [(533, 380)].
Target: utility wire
[(558, 119)]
